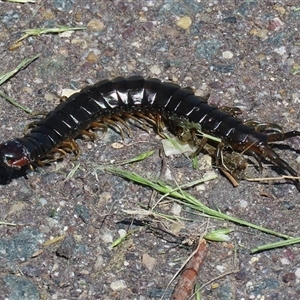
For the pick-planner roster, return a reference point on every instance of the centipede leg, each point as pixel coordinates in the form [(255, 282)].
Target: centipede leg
[(114, 124), (142, 122), (268, 128), (119, 119), (91, 135), (276, 137), (234, 111), (267, 152), (68, 146)]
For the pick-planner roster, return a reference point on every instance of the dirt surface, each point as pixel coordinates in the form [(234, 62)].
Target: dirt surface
[(242, 53)]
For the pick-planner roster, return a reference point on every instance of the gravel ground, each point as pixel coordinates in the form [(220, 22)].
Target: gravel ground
[(242, 53)]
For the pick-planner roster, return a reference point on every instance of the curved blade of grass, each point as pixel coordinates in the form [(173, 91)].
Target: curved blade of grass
[(15, 103), (8, 224), (189, 200), (137, 158), (5, 77), (22, 65), (39, 31), (72, 172), (288, 242)]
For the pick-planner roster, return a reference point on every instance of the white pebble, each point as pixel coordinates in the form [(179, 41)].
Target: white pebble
[(155, 69), (118, 285), (281, 50), (227, 54)]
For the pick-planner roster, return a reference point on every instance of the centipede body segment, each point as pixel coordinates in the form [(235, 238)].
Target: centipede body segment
[(112, 102)]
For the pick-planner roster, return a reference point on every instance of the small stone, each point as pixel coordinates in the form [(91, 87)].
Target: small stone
[(185, 22), (43, 201), (67, 247), (107, 237), (280, 9), (176, 209), (122, 233), (49, 97), (48, 14), (118, 285), (261, 33), (155, 69), (275, 24), (27, 90), (66, 34), (91, 57), (295, 69), (281, 50), (83, 212), (227, 54), (221, 268), (288, 277), (148, 261), (105, 196), (95, 25), (78, 16)]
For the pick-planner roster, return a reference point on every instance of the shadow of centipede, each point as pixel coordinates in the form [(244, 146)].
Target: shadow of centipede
[(7, 175)]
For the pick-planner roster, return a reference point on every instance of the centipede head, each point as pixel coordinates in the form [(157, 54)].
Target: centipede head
[(14, 155)]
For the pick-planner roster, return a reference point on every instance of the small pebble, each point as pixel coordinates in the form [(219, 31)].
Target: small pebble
[(43, 201), (275, 24), (288, 277), (184, 22), (27, 90), (49, 97), (148, 261), (281, 50), (95, 25), (261, 33), (176, 209), (91, 57), (67, 247), (280, 9), (227, 54), (48, 14), (107, 237), (122, 233), (155, 69), (118, 285), (220, 268)]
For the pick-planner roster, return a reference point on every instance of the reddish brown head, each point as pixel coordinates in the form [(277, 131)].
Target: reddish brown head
[(14, 154)]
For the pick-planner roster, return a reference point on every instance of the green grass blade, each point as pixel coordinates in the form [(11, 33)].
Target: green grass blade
[(288, 242), (15, 103), (20, 66), (39, 31), (137, 158), (8, 75), (190, 200)]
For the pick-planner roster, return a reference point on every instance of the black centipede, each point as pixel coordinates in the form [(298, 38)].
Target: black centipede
[(111, 102)]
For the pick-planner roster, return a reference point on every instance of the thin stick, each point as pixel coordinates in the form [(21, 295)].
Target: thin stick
[(188, 277)]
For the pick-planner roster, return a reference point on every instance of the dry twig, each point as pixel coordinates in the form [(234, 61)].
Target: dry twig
[(188, 277)]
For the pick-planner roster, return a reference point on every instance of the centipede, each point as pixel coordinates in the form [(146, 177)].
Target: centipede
[(112, 103)]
